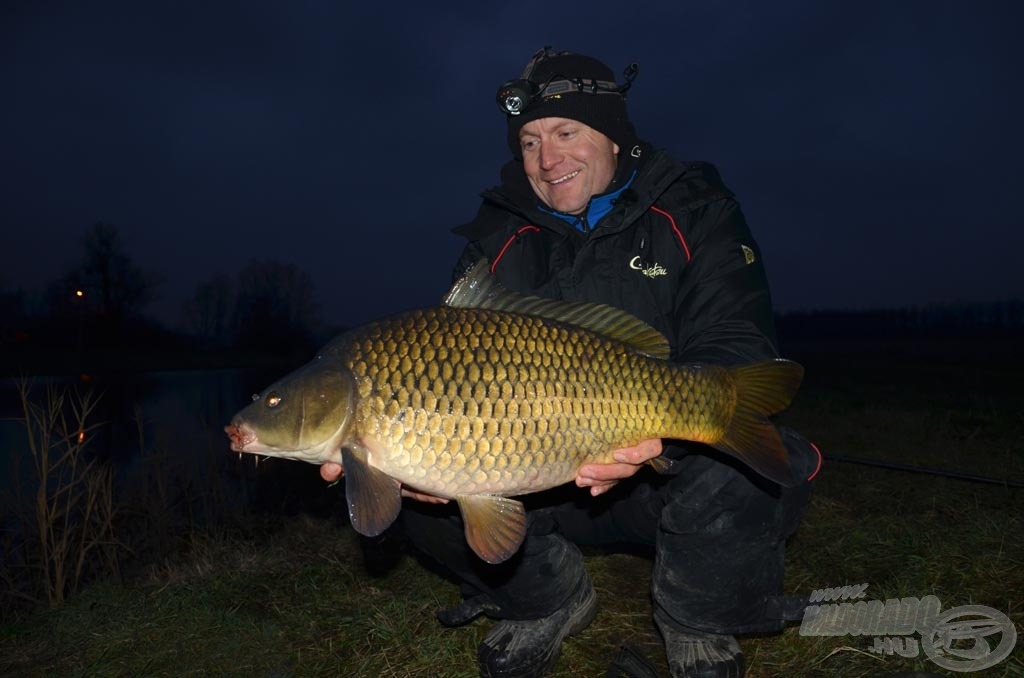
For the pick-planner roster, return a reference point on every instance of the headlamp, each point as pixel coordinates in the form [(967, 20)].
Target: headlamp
[(515, 96)]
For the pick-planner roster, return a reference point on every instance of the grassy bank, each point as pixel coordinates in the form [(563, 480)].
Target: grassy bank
[(293, 598)]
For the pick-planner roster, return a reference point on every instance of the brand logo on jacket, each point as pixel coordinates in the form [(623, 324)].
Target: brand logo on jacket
[(748, 254), (652, 271)]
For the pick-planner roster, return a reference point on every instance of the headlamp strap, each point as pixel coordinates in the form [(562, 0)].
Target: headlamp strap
[(538, 56), (578, 85)]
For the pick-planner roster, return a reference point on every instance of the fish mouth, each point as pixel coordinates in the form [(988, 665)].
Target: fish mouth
[(243, 438)]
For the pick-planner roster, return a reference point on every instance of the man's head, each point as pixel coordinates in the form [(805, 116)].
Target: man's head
[(567, 162), (577, 87), (571, 127)]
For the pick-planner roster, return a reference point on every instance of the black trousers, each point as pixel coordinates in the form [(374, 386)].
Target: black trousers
[(717, 529)]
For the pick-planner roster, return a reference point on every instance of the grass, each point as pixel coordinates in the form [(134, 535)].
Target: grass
[(292, 597)]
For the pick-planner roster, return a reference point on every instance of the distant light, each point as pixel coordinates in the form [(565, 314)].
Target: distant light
[(79, 293), (81, 437)]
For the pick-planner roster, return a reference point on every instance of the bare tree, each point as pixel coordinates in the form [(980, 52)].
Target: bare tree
[(105, 284), (209, 312), (274, 306), (119, 286)]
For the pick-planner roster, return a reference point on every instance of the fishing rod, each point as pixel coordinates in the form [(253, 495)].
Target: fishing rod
[(924, 471)]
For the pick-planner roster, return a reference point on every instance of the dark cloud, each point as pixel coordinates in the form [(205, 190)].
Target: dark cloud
[(873, 146)]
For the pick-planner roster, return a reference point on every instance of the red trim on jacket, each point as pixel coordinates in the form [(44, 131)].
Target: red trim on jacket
[(508, 243), (682, 241), (818, 467)]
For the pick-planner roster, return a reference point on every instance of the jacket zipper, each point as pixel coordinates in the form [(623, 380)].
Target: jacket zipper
[(653, 298)]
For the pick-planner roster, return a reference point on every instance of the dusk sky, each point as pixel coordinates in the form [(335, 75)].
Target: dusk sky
[(875, 147)]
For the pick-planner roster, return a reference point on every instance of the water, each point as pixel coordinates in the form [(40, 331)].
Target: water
[(167, 423), (176, 406)]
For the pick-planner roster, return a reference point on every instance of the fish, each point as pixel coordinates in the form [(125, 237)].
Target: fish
[(493, 394)]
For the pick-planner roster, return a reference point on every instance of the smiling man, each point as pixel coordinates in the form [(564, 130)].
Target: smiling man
[(589, 212), (567, 162)]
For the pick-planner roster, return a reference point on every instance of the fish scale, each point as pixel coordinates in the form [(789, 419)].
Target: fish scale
[(467, 401)]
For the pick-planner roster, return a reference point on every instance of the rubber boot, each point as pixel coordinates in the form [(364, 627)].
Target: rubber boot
[(697, 654), (530, 648)]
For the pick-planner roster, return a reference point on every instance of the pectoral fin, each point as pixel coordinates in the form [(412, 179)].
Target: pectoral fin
[(495, 526), (374, 498)]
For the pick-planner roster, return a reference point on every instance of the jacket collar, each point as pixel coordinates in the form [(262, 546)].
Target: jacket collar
[(597, 208)]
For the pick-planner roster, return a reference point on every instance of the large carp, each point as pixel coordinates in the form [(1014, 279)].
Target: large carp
[(494, 394)]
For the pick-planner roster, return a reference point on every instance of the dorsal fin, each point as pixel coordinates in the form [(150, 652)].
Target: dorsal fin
[(479, 289)]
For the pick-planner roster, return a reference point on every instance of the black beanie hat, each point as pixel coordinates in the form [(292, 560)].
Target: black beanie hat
[(604, 111)]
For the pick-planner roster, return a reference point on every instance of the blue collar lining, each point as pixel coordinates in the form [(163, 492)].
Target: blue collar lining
[(597, 209)]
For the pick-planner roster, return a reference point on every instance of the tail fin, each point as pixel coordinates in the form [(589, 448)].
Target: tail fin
[(762, 389)]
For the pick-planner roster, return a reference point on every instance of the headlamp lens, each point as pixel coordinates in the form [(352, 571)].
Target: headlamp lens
[(513, 104), (514, 97)]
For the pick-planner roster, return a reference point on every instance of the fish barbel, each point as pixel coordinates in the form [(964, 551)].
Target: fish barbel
[(494, 394)]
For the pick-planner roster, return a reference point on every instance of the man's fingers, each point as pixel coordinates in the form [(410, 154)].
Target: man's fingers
[(606, 472), (602, 477), (597, 487), (330, 471), (639, 454)]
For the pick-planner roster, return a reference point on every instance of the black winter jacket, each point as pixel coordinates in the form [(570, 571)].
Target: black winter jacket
[(675, 251)]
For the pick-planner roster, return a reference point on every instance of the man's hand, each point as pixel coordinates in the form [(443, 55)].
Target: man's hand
[(602, 477), (332, 471)]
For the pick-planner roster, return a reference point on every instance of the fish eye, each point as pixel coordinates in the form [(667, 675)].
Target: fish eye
[(273, 400)]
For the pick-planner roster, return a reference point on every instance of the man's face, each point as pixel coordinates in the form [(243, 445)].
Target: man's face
[(566, 162)]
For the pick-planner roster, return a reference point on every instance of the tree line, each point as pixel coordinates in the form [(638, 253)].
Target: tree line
[(270, 306), (102, 298), (994, 317)]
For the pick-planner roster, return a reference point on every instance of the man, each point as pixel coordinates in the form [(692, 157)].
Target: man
[(589, 212)]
